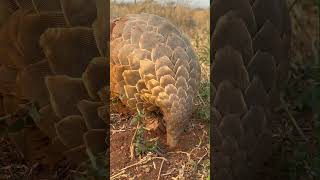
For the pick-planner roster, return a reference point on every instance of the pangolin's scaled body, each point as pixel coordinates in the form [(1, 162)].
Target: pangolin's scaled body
[(52, 53), (154, 67), (250, 43)]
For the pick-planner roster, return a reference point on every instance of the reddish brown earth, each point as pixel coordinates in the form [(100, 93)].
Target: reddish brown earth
[(190, 160)]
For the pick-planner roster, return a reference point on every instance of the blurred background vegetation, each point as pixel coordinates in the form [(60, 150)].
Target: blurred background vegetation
[(298, 157)]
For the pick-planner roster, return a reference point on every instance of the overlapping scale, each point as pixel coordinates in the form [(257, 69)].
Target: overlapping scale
[(54, 57), (157, 68), (249, 44)]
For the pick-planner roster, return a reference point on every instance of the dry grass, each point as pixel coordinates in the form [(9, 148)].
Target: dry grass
[(189, 20)]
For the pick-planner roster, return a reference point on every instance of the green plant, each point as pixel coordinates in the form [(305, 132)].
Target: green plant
[(142, 145), (203, 109), (137, 118)]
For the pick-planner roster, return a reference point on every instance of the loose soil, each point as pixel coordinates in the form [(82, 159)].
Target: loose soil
[(189, 160)]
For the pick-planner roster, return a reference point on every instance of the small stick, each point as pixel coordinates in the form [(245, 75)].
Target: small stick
[(294, 122), (160, 169), (5, 117), (292, 5), (118, 174), (142, 161), (169, 172), (297, 126), (202, 158)]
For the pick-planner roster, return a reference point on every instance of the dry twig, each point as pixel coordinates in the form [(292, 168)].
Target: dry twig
[(142, 161), (160, 169)]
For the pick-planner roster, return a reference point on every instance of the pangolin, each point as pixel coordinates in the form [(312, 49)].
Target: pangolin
[(250, 43), (53, 55), (153, 67)]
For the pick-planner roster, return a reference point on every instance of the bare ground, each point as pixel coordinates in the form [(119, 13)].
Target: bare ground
[(190, 160)]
